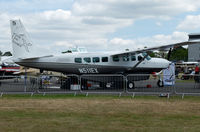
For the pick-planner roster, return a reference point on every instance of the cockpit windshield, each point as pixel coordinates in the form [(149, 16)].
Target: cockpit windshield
[(148, 57)]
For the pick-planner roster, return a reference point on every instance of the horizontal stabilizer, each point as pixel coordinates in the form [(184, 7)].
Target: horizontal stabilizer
[(37, 57)]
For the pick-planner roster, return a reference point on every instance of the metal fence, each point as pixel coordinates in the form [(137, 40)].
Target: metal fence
[(188, 84), (147, 84), (58, 84), (102, 83), (114, 84), (18, 84)]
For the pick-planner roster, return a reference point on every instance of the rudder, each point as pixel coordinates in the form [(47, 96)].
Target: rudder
[(21, 42)]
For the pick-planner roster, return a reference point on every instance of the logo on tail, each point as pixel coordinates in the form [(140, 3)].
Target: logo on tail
[(20, 40)]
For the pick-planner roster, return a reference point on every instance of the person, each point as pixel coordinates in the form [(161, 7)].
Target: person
[(196, 77), (197, 69)]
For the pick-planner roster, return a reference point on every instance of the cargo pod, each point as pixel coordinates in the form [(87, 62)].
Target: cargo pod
[(102, 83)]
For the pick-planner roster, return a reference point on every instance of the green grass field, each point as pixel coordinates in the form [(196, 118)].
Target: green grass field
[(98, 113)]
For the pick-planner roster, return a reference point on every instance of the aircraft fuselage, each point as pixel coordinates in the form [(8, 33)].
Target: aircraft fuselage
[(95, 63)]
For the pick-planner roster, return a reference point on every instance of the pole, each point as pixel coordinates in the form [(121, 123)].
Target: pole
[(25, 80)]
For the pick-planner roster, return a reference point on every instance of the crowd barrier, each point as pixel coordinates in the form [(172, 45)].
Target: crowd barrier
[(143, 84)]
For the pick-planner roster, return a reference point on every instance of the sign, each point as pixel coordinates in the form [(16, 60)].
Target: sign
[(169, 75)]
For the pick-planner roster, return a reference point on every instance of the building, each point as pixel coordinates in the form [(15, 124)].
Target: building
[(194, 50)]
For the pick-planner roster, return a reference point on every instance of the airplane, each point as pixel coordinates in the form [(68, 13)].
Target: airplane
[(79, 61), (7, 66)]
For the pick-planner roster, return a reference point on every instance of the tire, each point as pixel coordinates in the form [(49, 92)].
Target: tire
[(84, 84), (160, 83), (66, 84), (131, 85)]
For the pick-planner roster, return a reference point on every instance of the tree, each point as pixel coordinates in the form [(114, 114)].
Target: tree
[(178, 54), (151, 53)]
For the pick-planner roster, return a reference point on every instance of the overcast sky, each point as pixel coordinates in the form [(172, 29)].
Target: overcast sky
[(100, 25)]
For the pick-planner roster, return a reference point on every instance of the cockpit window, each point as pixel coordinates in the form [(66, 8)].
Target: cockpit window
[(140, 57), (148, 57), (87, 59), (144, 54)]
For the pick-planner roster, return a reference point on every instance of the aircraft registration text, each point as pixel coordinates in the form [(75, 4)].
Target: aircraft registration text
[(88, 70)]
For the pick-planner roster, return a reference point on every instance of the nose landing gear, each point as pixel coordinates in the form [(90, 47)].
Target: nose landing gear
[(160, 83), (131, 85)]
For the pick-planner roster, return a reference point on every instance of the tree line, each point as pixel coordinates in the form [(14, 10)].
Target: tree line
[(177, 54)]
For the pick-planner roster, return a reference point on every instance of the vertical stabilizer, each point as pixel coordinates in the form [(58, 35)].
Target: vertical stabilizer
[(21, 43)]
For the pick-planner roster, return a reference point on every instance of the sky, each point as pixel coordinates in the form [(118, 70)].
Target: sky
[(100, 25)]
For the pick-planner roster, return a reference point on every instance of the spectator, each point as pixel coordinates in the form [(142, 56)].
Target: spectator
[(197, 69), (196, 77)]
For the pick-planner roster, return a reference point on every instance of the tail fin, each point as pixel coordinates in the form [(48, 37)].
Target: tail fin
[(21, 43)]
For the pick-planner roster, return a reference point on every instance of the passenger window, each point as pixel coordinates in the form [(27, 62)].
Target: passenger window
[(140, 58), (87, 59), (133, 58), (125, 58), (78, 60), (104, 59), (95, 59), (116, 58)]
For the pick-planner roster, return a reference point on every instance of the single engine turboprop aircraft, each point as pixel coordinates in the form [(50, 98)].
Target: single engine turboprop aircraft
[(81, 62)]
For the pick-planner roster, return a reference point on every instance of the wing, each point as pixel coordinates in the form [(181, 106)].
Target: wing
[(164, 47)]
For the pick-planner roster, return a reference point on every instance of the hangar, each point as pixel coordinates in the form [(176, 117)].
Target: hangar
[(194, 50)]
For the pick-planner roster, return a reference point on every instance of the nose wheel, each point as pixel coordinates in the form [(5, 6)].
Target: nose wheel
[(160, 83), (130, 85)]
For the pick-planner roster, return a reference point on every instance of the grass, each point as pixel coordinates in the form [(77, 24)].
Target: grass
[(98, 113)]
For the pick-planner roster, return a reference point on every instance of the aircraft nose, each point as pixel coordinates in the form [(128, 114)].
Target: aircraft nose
[(166, 63), (161, 63)]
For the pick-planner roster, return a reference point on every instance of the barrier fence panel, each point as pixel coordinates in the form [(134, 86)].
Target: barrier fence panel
[(117, 83), (147, 84), (102, 83), (188, 84), (58, 84), (18, 84)]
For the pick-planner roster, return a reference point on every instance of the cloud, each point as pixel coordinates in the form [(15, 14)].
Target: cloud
[(28, 6), (134, 8), (158, 24), (191, 22), (156, 40), (89, 22), (56, 15)]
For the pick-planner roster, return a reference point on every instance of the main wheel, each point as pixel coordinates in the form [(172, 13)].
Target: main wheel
[(84, 85)]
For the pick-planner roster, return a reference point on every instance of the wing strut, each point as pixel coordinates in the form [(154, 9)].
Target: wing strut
[(140, 61), (169, 53)]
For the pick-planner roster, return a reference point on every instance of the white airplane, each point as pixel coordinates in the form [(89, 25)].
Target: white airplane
[(81, 62), (7, 66)]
